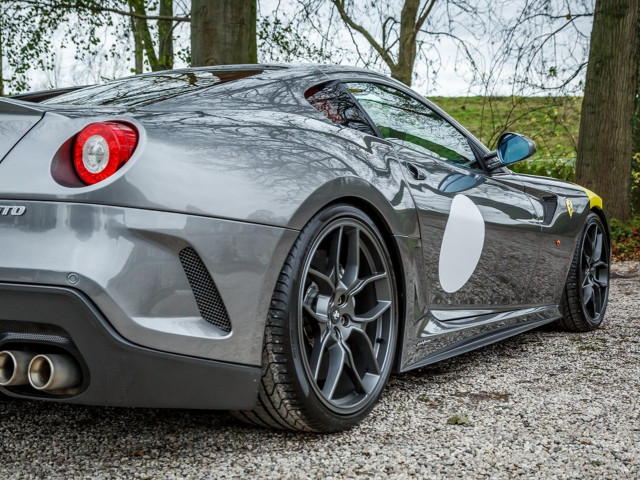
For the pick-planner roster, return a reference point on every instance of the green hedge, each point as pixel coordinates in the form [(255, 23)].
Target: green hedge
[(556, 168)]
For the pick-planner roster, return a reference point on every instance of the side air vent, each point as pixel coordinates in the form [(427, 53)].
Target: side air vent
[(550, 204), (204, 290)]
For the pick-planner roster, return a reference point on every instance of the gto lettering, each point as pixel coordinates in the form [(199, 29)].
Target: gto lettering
[(15, 210)]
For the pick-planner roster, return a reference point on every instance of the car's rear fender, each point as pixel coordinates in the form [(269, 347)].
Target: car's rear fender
[(39, 164), (397, 220), (400, 216)]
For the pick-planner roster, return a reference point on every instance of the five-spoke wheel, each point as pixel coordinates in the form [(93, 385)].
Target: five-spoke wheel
[(346, 315), (594, 272), (331, 333), (584, 300)]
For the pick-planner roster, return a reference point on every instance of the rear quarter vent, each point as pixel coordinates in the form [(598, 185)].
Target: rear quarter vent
[(207, 297)]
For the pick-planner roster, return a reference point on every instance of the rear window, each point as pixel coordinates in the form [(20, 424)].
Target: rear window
[(148, 89), (337, 105)]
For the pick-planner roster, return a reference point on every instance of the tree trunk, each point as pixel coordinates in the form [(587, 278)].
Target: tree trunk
[(165, 36), (604, 141), (142, 27), (635, 164), (223, 32), (1, 72), (636, 116), (137, 44), (403, 69)]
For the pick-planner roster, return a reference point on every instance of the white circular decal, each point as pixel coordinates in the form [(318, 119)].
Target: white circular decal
[(461, 244)]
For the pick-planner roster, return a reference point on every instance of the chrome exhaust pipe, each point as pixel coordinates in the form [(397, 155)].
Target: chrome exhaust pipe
[(54, 373), (14, 367)]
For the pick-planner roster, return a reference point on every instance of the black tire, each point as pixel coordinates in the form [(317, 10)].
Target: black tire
[(584, 300), (329, 345)]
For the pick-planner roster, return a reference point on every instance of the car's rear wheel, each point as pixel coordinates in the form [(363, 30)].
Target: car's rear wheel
[(586, 291), (331, 333)]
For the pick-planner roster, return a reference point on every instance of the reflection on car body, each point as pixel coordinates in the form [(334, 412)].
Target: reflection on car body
[(270, 240)]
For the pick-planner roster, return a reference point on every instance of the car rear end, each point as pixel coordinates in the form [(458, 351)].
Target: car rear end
[(108, 296)]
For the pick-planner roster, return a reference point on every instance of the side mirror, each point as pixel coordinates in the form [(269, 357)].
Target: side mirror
[(513, 148)]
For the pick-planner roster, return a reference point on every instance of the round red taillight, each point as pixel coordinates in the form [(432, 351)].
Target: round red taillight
[(101, 149)]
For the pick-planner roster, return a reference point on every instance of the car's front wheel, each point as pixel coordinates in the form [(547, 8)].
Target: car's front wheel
[(331, 333), (586, 291)]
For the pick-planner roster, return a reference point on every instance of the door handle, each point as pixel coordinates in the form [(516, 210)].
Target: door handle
[(417, 172)]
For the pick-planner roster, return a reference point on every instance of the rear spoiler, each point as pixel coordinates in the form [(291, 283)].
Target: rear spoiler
[(42, 95), (16, 119), (12, 105)]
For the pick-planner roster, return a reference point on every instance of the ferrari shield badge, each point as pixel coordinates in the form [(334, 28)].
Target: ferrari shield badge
[(569, 207)]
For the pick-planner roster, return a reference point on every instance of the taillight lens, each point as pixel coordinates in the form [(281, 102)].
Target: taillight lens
[(101, 149)]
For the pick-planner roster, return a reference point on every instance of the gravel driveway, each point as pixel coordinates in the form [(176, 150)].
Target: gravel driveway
[(544, 404)]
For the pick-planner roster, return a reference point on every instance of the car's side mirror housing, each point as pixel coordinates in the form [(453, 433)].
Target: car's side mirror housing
[(513, 148)]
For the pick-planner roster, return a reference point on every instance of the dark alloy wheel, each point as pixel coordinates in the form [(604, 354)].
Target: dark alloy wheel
[(347, 323), (586, 292), (331, 335)]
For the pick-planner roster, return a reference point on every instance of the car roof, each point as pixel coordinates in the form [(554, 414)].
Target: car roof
[(292, 68)]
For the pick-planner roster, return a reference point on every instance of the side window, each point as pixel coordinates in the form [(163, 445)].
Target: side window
[(335, 103), (404, 120)]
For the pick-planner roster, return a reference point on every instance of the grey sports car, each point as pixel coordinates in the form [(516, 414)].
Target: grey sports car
[(270, 240)]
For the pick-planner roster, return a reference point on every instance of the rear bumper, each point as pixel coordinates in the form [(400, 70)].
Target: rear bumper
[(112, 287), (127, 262), (116, 372)]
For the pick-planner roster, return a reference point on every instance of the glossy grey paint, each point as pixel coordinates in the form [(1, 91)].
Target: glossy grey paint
[(126, 261), (235, 172), (236, 164), (520, 252), (550, 274), (15, 121), (269, 175)]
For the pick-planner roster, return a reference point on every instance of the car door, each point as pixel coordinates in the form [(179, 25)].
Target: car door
[(480, 232)]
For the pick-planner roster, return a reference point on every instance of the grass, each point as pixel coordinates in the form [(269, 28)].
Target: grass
[(552, 122)]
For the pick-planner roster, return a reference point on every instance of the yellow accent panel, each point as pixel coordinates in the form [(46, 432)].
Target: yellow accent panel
[(594, 200)]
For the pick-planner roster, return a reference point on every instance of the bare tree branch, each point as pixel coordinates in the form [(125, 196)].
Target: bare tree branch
[(94, 8), (425, 13), (360, 29)]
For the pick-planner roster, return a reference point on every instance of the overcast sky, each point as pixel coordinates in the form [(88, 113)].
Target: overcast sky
[(442, 68)]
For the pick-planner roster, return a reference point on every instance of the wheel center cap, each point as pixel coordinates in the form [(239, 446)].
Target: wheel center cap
[(335, 315)]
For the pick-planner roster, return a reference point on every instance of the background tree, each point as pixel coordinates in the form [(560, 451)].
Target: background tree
[(1, 57), (280, 41), (605, 137), (397, 32), (536, 51), (635, 162), (32, 31), (223, 32), (158, 51), (389, 33)]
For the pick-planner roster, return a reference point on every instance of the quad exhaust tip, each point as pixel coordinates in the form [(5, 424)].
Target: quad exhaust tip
[(54, 373), (14, 367)]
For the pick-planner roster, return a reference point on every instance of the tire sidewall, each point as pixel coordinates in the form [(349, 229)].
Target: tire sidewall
[(590, 220), (326, 419)]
